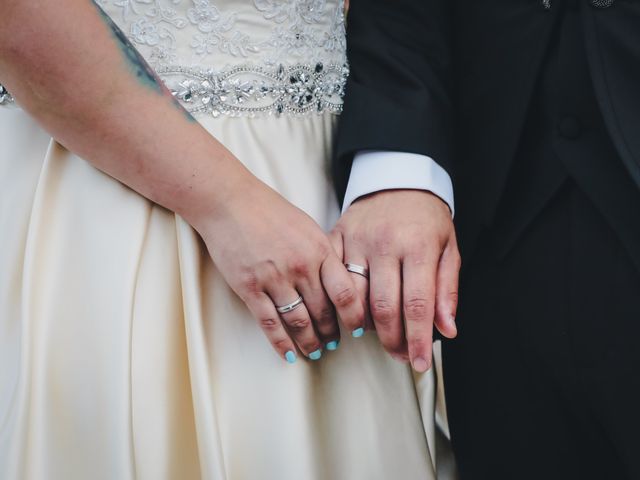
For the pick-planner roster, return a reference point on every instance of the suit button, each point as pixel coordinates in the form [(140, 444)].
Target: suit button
[(570, 128)]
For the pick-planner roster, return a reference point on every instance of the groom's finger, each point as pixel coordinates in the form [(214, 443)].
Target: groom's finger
[(349, 254), (418, 299), (362, 285), (384, 301), (342, 292), (354, 256)]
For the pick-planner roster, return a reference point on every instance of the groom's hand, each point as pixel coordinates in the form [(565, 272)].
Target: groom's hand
[(407, 241)]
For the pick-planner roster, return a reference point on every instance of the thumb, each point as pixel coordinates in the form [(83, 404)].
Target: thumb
[(447, 289)]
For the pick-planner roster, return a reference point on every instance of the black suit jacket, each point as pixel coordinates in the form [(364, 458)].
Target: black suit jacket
[(453, 79)]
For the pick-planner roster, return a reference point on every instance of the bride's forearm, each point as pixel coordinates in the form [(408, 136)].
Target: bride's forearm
[(73, 70)]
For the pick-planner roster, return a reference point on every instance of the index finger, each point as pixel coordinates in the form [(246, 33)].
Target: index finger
[(342, 291), (418, 302)]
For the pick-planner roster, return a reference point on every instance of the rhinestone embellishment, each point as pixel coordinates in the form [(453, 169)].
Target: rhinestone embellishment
[(253, 90), (5, 96)]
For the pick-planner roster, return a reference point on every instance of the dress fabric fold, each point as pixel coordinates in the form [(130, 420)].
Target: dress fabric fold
[(124, 354)]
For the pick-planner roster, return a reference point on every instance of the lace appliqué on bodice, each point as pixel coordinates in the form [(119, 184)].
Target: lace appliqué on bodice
[(207, 33), (240, 57)]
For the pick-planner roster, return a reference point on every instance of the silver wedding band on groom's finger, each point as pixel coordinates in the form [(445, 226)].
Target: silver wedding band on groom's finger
[(363, 288), (357, 269)]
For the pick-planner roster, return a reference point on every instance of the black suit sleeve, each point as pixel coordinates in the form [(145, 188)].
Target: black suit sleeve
[(398, 94)]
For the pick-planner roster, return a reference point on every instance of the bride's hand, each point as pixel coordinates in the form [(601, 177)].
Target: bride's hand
[(271, 253), (116, 114)]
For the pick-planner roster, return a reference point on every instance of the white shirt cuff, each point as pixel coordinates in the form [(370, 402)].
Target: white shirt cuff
[(374, 171)]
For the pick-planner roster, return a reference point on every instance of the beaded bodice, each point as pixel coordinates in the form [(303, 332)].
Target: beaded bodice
[(237, 57)]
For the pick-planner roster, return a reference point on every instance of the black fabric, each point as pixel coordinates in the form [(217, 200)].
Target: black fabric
[(543, 108), (421, 66), (542, 382), (550, 300), (399, 94)]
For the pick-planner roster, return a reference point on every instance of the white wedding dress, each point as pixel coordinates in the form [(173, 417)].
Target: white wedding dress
[(123, 353)]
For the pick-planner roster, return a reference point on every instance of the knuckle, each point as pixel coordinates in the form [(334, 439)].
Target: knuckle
[(299, 267), (417, 307), (269, 324), (249, 281), (345, 296), (384, 237), (417, 245), (358, 237), (418, 259), (384, 309), (298, 324)]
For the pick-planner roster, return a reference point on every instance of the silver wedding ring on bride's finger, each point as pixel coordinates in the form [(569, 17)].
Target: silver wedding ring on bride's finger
[(357, 269), (290, 306)]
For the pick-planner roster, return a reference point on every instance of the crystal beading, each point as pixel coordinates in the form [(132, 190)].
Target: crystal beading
[(5, 96), (248, 90)]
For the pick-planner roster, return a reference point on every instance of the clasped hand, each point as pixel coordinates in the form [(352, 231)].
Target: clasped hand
[(407, 241), (271, 253)]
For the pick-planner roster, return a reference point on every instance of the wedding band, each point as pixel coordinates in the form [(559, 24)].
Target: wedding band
[(357, 269), (290, 306)]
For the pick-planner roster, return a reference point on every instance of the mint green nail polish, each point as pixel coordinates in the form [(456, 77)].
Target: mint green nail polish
[(315, 355), (332, 345), (290, 356), (358, 332)]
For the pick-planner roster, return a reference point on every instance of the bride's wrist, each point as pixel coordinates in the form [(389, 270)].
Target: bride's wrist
[(210, 200)]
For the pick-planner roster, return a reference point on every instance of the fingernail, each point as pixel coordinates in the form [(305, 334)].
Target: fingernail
[(315, 355), (332, 345), (420, 364), (290, 356), (358, 332)]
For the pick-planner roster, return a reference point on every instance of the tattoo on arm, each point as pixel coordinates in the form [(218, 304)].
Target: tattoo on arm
[(136, 63)]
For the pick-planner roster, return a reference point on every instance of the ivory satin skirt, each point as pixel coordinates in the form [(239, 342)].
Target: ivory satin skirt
[(124, 354)]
